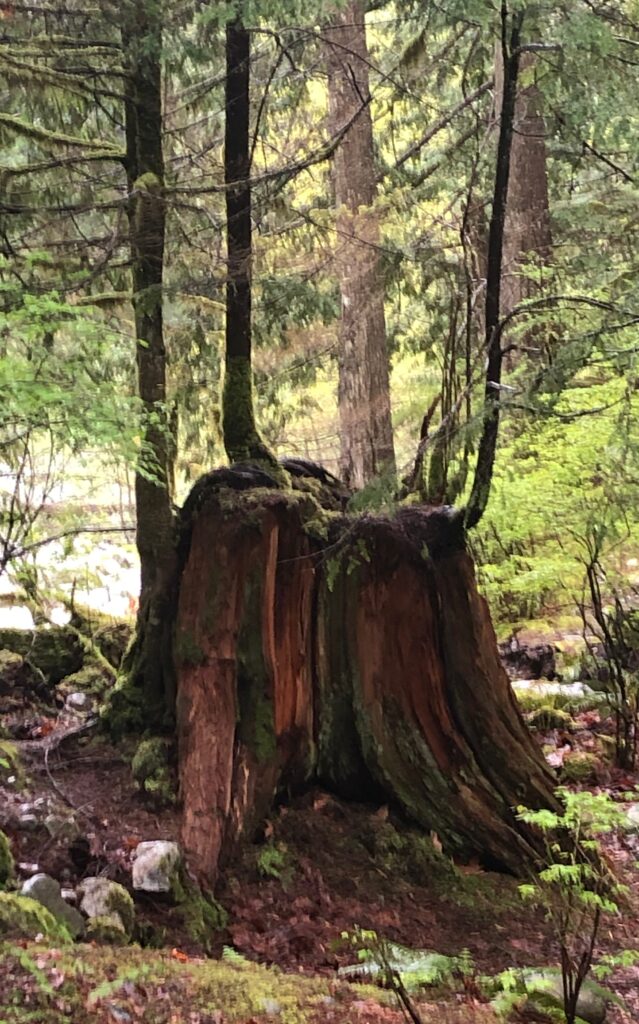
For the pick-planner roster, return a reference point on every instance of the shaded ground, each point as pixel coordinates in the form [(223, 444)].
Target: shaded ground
[(317, 869)]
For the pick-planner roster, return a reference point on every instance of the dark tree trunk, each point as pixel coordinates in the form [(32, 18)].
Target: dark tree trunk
[(241, 438), (353, 659), (364, 390), (511, 53), (142, 41)]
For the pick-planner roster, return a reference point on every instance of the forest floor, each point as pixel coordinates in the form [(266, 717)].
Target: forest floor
[(318, 869)]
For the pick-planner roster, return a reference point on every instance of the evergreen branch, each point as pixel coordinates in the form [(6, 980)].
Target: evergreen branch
[(443, 122), (31, 131)]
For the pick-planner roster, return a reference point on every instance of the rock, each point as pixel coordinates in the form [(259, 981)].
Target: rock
[(580, 767), (528, 661), (547, 717), (108, 929), (61, 826), (29, 823), (90, 681), (57, 651), (102, 898), (544, 989), (47, 891), (78, 701), (24, 918), (156, 866), (632, 814)]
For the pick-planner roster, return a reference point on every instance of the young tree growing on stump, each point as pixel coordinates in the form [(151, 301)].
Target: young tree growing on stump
[(142, 46), (241, 439)]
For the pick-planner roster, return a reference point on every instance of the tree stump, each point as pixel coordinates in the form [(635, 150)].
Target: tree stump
[(311, 647)]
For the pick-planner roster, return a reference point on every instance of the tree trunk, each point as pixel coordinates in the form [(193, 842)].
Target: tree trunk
[(511, 54), (340, 652), (241, 438), (364, 388), (527, 234), (142, 40)]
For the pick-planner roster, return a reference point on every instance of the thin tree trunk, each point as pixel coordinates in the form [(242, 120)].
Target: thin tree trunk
[(241, 439), (142, 39), (367, 448), (511, 44)]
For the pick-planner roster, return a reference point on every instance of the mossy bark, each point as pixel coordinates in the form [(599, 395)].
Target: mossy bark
[(365, 661), (141, 26)]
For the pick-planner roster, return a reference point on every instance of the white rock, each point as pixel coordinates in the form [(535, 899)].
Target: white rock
[(155, 865), (78, 702)]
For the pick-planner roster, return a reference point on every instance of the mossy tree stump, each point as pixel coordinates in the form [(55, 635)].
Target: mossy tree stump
[(352, 652)]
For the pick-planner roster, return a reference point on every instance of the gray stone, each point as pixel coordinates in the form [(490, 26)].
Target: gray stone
[(545, 990), (156, 865), (60, 827), (46, 891), (632, 814), (29, 823), (78, 702), (102, 898)]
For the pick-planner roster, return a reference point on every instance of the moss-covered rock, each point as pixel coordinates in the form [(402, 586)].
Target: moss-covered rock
[(107, 929), (7, 866), (102, 898), (24, 918), (580, 767), (57, 652), (547, 717), (90, 680), (152, 772)]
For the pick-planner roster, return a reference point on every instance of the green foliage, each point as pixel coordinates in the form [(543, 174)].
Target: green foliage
[(576, 888), (274, 861), (7, 865), (384, 961)]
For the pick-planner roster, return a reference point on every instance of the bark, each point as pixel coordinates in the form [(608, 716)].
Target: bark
[(510, 44), (349, 656), (142, 38), (241, 439), (364, 388), (527, 233)]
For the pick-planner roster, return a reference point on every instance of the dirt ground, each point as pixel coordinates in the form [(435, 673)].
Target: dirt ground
[(319, 868)]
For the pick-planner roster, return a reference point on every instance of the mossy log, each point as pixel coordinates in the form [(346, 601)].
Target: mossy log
[(56, 651), (363, 659)]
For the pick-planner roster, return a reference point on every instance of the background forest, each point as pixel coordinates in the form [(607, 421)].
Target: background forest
[(566, 470), (309, 315)]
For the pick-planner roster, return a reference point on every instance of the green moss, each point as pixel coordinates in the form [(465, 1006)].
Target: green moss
[(148, 182), (187, 651), (100, 976), (7, 866), (121, 903), (151, 770), (106, 929), (201, 915), (125, 712), (241, 439), (580, 767), (546, 717), (22, 917)]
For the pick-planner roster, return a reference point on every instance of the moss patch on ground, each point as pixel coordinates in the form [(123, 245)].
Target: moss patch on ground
[(92, 984)]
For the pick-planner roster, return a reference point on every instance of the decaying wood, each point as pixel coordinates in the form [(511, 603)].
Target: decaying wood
[(310, 647)]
